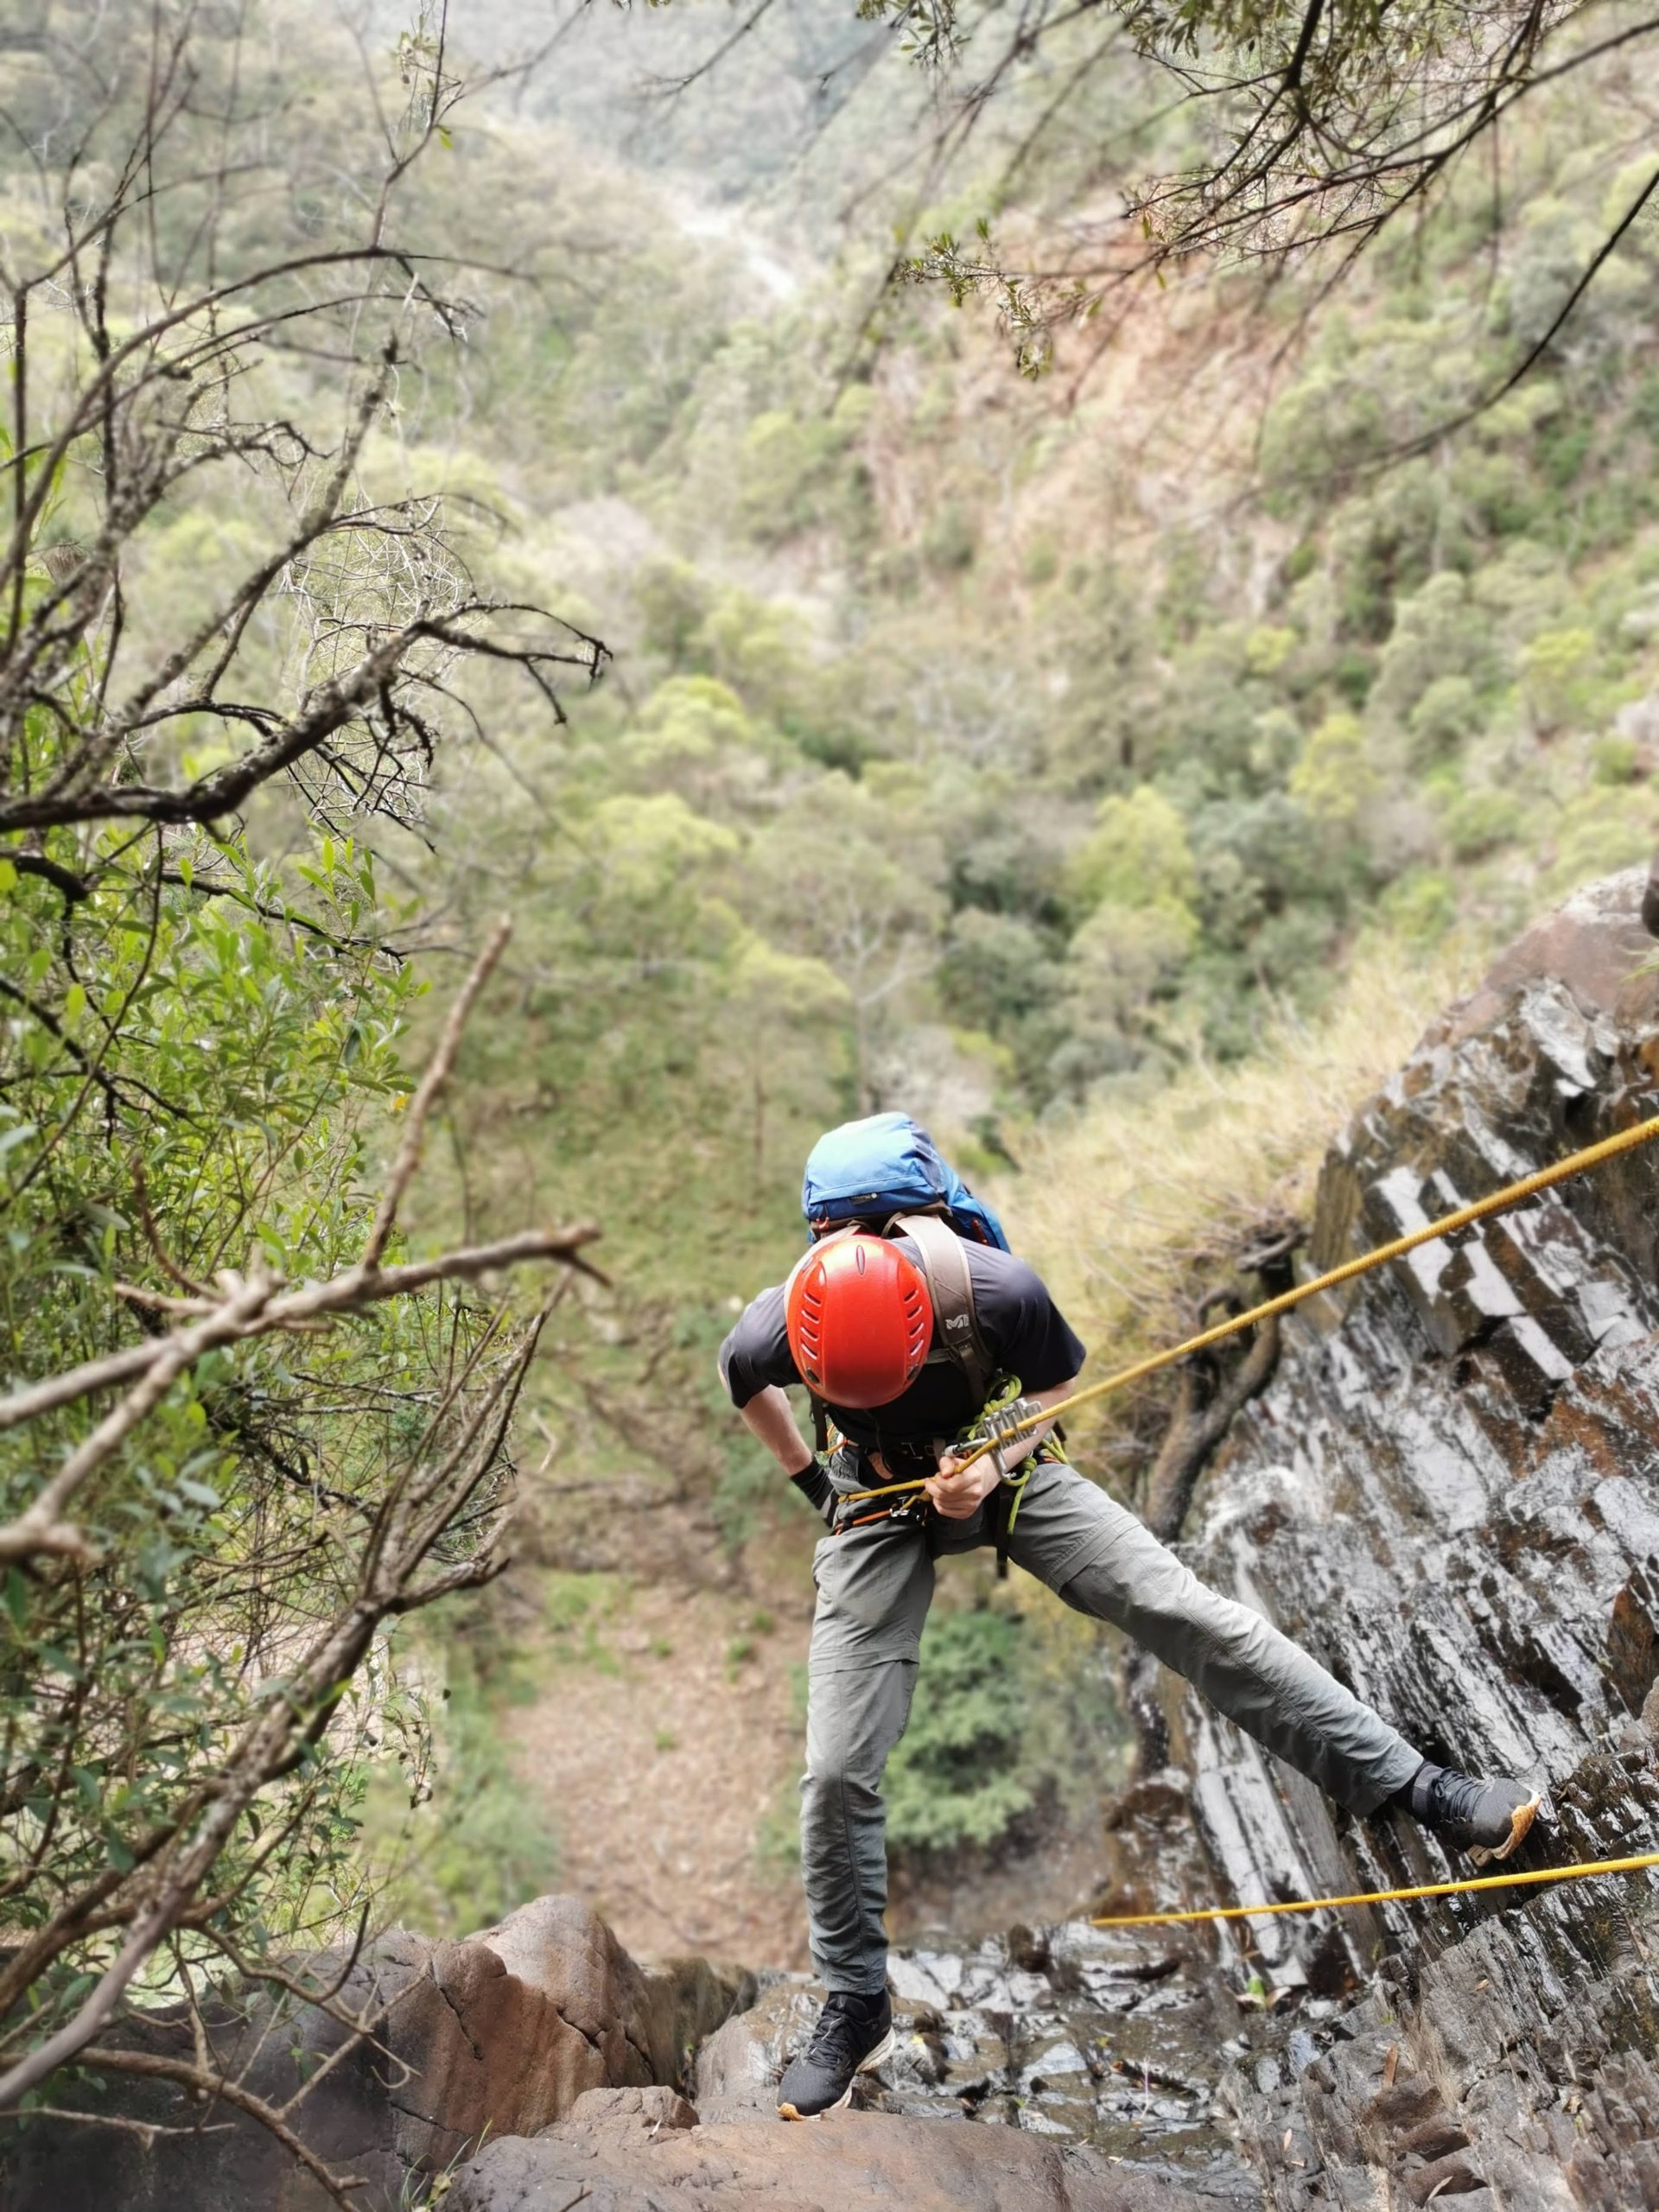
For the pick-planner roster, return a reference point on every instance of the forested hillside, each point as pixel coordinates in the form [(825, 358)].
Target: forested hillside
[(1013, 747)]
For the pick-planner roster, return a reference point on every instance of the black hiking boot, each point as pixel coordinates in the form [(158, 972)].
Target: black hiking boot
[(1486, 1819), (853, 2036)]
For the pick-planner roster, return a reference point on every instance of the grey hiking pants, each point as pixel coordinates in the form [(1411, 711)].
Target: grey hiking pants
[(874, 1585)]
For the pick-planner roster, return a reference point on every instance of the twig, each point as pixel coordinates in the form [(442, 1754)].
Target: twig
[(146, 2131), (157, 2067), (153, 1235), (42, 1527), (343, 1293), (437, 1074)]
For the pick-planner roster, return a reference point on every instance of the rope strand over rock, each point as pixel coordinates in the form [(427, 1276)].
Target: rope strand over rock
[(1512, 1194)]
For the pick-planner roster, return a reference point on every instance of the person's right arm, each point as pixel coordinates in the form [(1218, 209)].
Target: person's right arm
[(769, 1416), (958, 1492), (754, 1364), (1034, 1341)]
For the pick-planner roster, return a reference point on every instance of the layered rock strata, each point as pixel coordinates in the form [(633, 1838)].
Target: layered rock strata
[(1450, 1494)]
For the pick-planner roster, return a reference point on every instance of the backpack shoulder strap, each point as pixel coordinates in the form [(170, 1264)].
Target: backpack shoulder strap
[(950, 1287)]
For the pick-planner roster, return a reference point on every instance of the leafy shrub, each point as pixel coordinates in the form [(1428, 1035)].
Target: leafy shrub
[(1437, 633), (949, 542), (955, 1778), (1336, 779), (1138, 855), (1421, 906), (479, 1846), (1479, 821), (1614, 759), (1448, 713), (1554, 668)]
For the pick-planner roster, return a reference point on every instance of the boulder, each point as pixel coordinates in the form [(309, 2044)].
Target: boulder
[(499, 2035), (611, 2157), (1592, 946), (510, 2028)]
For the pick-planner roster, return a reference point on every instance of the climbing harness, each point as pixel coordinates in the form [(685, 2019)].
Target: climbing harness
[(1528, 1187), (1532, 1876), (1001, 1419)]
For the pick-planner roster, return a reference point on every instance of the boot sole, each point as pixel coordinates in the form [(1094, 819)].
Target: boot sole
[(878, 2057), (1520, 1821)]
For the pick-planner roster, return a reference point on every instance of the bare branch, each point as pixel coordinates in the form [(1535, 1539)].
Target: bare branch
[(212, 2086), (344, 1294), (42, 1527), (437, 1074), (295, 1716)]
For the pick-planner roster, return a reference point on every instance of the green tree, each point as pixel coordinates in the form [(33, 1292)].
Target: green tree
[(1337, 779), (1137, 855), (1291, 144), (216, 1500), (955, 1777)]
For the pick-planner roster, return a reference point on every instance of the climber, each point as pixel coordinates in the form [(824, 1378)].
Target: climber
[(898, 1319)]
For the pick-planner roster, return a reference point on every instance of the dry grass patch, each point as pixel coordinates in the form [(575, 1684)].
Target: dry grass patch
[(1134, 1208)]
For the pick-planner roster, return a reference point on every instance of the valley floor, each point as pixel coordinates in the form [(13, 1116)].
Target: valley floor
[(664, 1743)]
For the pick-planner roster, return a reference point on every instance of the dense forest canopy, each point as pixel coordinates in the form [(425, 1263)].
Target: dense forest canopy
[(1010, 749), (1130, 695)]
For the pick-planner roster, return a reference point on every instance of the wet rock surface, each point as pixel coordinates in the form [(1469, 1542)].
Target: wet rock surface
[(1450, 1494), (1070, 2033)]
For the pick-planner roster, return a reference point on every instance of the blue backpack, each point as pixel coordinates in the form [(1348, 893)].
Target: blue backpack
[(885, 1165), (886, 1171)]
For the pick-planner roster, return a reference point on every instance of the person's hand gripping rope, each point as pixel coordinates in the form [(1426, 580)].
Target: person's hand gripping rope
[(967, 1477)]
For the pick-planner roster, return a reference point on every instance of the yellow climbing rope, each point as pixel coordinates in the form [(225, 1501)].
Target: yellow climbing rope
[(1386, 1896), (1576, 1163)]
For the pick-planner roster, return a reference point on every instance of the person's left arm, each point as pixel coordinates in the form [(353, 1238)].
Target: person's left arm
[(755, 1364)]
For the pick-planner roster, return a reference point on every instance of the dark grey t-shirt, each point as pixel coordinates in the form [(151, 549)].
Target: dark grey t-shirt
[(1024, 1331)]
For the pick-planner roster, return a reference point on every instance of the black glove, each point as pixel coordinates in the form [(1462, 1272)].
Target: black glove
[(814, 1484)]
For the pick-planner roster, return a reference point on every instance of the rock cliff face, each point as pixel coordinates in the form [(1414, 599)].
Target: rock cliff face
[(1451, 1493)]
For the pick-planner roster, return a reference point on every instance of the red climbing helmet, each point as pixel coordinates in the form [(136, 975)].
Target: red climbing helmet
[(860, 1320)]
